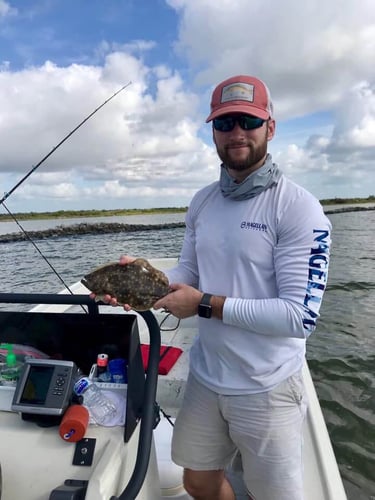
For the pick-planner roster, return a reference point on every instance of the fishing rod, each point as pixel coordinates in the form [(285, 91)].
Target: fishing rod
[(7, 194)]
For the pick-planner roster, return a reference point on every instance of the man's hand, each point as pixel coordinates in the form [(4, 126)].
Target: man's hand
[(127, 259), (182, 301)]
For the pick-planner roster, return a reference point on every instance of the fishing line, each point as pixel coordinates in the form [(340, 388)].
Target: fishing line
[(168, 417), (40, 252), (168, 329), (7, 194)]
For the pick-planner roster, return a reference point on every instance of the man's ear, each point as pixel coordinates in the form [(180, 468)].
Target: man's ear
[(271, 129)]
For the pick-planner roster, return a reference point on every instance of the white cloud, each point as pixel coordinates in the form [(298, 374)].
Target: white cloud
[(6, 9), (308, 63), (346, 157), (356, 119), (135, 47)]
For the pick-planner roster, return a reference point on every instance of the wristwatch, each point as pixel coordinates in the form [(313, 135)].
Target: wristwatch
[(205, 308)]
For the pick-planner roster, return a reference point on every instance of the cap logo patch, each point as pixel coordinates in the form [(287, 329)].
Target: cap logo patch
[(238, 92)]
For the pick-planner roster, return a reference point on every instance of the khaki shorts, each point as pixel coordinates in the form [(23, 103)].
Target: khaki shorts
[(266, 428)]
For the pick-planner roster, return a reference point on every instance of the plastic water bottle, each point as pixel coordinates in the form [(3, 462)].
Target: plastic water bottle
[(101, 408)]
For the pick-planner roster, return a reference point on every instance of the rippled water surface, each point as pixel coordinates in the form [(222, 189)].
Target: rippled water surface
[(341, 352)]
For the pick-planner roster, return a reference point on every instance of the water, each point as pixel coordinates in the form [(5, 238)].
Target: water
[(341, 353), (22, 270)]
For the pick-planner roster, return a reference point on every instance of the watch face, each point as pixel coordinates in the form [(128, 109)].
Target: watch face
[(204, 311)]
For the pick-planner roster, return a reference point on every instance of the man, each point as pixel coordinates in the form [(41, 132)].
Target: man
[(254, 267)]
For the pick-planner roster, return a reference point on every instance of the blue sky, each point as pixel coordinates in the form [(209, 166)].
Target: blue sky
[(150, 146)]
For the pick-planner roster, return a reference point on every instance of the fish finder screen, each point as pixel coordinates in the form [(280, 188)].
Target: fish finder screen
[(37, 384)]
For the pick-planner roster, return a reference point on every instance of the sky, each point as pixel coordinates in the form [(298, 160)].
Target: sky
[(150, 146)]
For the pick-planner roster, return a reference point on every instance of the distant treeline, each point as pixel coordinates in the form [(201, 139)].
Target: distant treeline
[(70, 214), (346, 201)]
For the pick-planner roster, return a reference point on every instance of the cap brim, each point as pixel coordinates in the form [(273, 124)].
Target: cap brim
[(238, 108)]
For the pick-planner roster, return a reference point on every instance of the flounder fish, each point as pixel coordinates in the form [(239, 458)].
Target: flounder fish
[(138, 283)]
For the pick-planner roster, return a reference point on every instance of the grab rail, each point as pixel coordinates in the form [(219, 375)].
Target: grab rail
[(145, 435)]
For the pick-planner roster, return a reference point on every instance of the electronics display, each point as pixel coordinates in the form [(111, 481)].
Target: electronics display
[(44, 387)]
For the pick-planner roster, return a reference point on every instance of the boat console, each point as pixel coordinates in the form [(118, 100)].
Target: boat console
[(36, 463)]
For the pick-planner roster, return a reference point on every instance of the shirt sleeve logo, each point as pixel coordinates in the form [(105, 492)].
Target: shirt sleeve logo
[(317, 278)]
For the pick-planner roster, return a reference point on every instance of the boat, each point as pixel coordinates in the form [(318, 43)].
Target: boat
[(124, 462)]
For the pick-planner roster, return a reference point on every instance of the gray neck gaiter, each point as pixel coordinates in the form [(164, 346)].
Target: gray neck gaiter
[(259, 180)]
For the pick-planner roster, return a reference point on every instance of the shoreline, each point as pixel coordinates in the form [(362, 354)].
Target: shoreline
[(79, 214), (74, 214)]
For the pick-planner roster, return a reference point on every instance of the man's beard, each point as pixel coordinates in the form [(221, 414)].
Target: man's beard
[(256, 154)]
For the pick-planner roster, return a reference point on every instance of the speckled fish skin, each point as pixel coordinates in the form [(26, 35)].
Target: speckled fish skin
[(138, 283)]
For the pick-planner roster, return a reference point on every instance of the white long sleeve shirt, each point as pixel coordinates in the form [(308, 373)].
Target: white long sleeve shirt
[(268, 256)]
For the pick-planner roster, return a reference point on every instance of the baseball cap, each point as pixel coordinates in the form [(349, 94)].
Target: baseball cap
[(241, 94)]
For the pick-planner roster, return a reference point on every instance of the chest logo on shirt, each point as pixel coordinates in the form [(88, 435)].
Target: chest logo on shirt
[(255, 226)]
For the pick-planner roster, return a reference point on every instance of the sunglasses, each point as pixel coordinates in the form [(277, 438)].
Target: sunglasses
[(227, 123)]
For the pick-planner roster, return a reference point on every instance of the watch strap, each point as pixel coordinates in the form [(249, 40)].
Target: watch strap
[(205, 308), (206, 298)]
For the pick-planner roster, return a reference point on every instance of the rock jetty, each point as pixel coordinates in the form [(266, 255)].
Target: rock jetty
[(348, 209), (85, 228)]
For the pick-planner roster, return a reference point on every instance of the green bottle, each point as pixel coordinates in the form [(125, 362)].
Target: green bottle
[(11, 371)]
